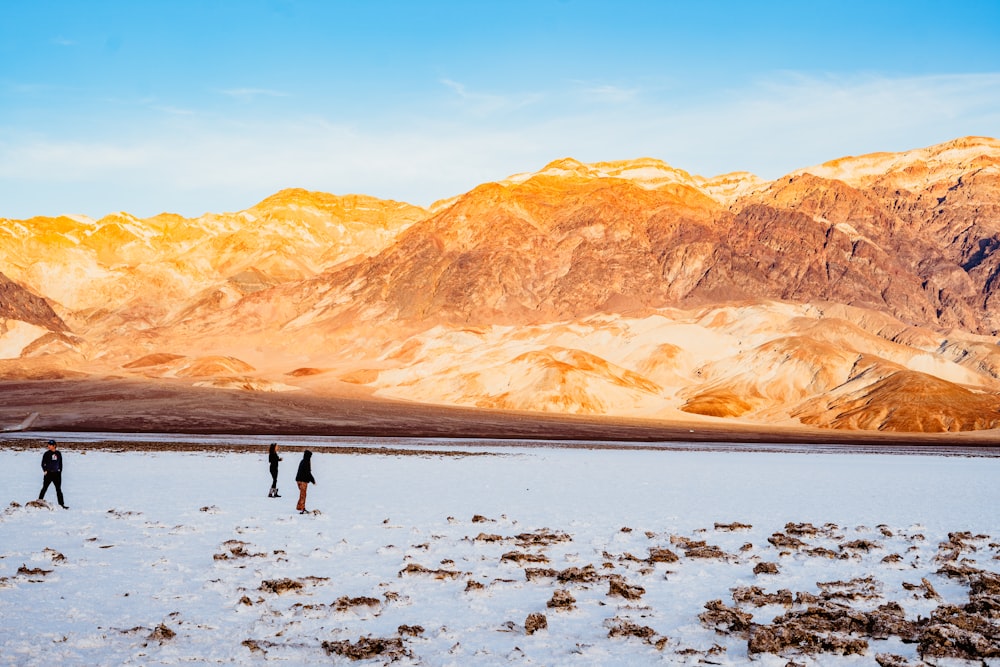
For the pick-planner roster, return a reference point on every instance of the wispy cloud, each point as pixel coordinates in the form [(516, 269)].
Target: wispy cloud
[(250, 94), (173, 111), (488, 103), (608, 93), (58, 161)]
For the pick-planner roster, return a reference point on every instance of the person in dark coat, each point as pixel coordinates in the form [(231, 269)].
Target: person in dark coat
[(303, 478), (52, 466), (273, 458)]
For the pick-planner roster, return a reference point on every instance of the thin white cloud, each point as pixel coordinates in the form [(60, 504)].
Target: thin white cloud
[(173, 111), (250, 94), (491, 103), (54, 161), (610, 94)]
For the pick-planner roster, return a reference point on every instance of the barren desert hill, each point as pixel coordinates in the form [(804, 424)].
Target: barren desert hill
[(84, 265), (831, 296), (575, 240)]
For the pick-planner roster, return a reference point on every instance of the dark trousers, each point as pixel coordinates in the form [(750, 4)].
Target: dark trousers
[(54, 478), (274, 475)]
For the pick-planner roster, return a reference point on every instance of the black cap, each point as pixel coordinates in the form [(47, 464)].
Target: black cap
[(51, 442)]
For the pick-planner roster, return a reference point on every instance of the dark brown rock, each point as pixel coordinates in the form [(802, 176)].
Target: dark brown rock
[(727, 620), (522, 557), (365, 648), (561, 599), (662, 555), (535, 622), (280, 586), (765, 568), (757, 597), (617, 586)]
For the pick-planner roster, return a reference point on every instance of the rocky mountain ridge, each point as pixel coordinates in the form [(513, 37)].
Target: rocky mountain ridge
[(829, 297)]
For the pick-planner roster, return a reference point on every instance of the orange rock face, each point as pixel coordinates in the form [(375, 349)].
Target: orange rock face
[(830, 297)]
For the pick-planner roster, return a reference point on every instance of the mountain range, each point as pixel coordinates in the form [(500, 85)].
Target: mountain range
[(862, 293)]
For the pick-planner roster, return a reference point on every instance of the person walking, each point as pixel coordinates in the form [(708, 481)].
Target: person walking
[(303, 478), (273, 458), (52, 466)]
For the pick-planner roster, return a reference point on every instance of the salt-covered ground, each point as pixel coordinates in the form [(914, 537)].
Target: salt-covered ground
[(176, 557)]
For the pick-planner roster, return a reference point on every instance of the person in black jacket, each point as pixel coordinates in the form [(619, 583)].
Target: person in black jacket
[(273, 458), (303, 478), (52, 465)]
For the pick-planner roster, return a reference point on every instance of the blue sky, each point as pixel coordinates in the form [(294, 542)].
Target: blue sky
[(183, 106)]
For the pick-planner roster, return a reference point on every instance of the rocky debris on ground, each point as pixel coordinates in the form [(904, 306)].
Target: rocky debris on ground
[(959, 542), (535, 622), (967, 631), (725, 619), (561, 599), (410, 630), (25, 571), (254, 646), (754, 595), (823, 552), (542, 537), (279, 586), (624, 627), (839, 620), (765, 568), (584, 575), (862, 588), (345, 603), (618, 587), (859, 545), (783, 541), (522, 557), (929, 592), (161, 633), (440, 573), (813, 630), (697, 548), (234, 549), (662, 555), (730, 527), (580, 575), (801, 529), (365, 648), (488, 537), (54, 555)]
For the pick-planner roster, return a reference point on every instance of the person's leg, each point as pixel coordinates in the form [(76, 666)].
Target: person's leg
[(46, 480), (57, 482), (274, 477), (303, 486)]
